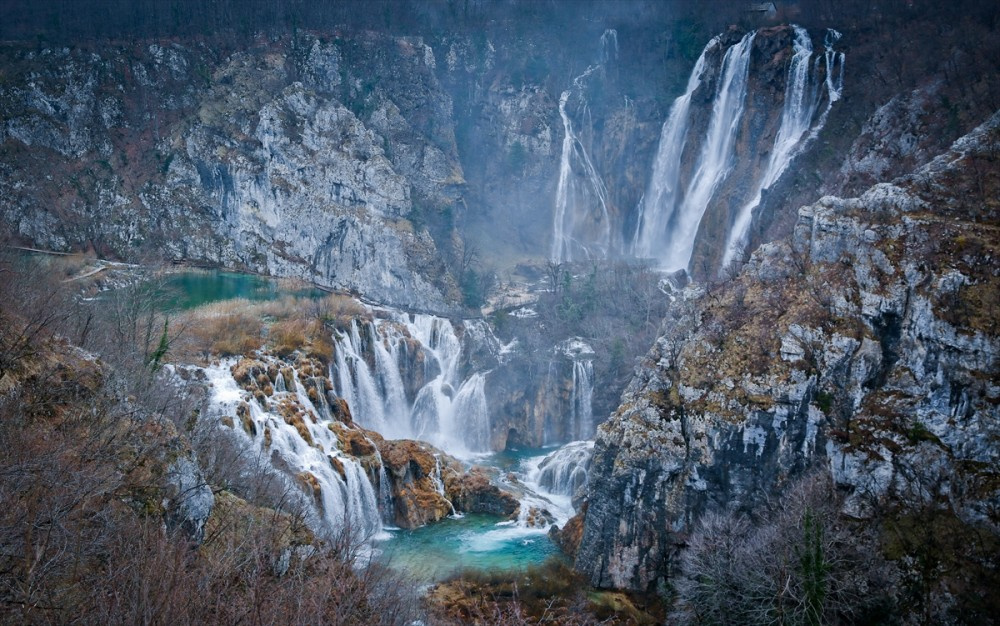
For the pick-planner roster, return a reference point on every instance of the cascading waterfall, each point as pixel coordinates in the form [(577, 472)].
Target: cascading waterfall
[(385, 501), (344, 501), (439, 483), (581, 354), (801, 102), (672, 210), (581, 223), (609, 46), (564, 471), (446, 410), (834, 76), (716, 158), (658, 204)]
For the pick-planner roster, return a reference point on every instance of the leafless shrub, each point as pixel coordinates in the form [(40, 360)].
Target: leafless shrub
[(799, 564)]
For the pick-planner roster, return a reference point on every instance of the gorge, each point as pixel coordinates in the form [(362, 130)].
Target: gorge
[(610, 321)]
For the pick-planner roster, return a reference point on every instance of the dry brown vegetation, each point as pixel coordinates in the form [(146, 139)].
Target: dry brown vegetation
[(547, 594), (239, 327), (87, 529)]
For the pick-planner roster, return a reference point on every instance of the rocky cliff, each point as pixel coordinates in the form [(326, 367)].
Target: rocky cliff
[(866, 343), (274, 159)]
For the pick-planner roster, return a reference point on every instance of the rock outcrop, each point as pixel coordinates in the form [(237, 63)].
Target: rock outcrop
[(866, 343), (273, 160), (415, 471)]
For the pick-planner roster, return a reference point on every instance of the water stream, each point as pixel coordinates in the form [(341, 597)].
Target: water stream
[(674, 205), (403, 375)]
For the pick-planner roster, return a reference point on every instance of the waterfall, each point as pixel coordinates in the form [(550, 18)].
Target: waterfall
[(581, 226), (579, 409), (386, 504), (716, 158), (564, 471), (439, 483), (338, 501), (578, 203), (609, 46), (801, 103), (583, 396), (447, 410), (834, 80), (656, 209), (671, 212)]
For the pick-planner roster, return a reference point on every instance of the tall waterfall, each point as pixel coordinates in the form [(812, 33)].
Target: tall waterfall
[(716, 158), (581, 226), (372, 362), (801, 102), (656, 210), (673, 206)]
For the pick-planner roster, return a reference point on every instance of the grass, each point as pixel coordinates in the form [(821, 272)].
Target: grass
[(285, 326)]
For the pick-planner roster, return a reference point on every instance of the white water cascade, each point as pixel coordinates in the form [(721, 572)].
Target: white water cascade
[(564, 471), (658, 205), (582, 398), (581, 422), (341, 501), (446, 410), (673, 206), (716, 158), (581, 226), (801, 102)]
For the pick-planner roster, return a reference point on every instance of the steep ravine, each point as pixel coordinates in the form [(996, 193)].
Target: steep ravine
[(866, 344)]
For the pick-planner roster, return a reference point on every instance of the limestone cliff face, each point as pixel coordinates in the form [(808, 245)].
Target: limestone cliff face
[(866, 343), (275, 159)]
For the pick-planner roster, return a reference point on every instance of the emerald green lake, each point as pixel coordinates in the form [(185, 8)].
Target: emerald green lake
[(471, 542), (188, 290)]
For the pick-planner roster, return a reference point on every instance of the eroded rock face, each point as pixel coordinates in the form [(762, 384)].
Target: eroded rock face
[(273, 160), (473, 492), (866, 343), (415, 473)]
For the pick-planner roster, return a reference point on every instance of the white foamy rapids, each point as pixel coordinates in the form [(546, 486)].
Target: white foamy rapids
[(563, 472), (447, 410), (802, 100), (347, 501)]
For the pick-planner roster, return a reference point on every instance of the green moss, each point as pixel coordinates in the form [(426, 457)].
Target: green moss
[(918, 433), (824, 400)]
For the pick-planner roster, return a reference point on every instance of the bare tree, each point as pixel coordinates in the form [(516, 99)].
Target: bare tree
[(799, 564)]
